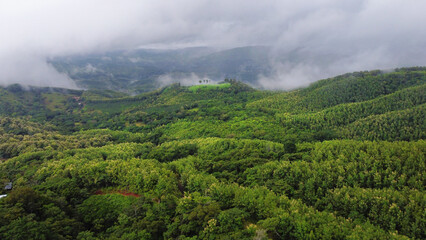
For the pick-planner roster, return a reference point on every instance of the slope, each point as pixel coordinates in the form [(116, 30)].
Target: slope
[(217, 161)]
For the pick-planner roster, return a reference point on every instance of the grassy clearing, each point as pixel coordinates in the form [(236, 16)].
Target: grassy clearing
[(209, 86), (55, 101)]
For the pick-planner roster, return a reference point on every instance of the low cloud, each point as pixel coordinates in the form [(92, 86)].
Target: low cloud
[(338, 38), (304, 68), (310, 40), (289, 76), (32, 71)]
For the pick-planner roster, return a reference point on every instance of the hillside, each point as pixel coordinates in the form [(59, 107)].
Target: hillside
[(138, 70), (342, 158)]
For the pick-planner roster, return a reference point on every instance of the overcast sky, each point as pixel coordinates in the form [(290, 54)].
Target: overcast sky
[(330, 36)]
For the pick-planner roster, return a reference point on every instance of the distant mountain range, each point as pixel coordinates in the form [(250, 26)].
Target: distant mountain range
[(138, 70)]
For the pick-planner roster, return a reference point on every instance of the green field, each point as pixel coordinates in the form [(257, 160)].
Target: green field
[(209, 87)]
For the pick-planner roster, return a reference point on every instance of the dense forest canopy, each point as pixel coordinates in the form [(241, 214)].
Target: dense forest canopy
[(341, 159)]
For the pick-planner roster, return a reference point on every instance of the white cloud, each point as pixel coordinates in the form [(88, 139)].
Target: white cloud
[(350, 35)]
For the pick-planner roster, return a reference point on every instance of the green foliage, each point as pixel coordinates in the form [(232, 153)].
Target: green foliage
[(25, 213), (398, 125), (196, 88), (100, 212), (390, 209), (341, 159), (348, 88)]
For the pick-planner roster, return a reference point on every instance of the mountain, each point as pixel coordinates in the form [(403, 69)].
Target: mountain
[(138, 70), (341, 158)]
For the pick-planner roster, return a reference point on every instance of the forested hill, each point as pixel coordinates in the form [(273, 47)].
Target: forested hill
[(341, 159)]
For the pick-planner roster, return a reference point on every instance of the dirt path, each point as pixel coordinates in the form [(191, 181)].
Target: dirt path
[(121, 192)]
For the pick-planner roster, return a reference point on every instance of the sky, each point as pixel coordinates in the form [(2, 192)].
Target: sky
[(324, 37)]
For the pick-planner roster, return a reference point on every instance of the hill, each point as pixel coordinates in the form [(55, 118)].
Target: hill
[(138, 70), (342, 158)]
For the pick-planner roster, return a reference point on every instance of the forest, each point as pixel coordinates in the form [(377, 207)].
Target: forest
[(344, 158)]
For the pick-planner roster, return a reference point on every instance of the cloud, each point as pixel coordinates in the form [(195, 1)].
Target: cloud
[(333, 39), (309, 40), (31, 70), (290, 76)]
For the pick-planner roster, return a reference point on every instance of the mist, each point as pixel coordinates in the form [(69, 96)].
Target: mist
[(309, 40)]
